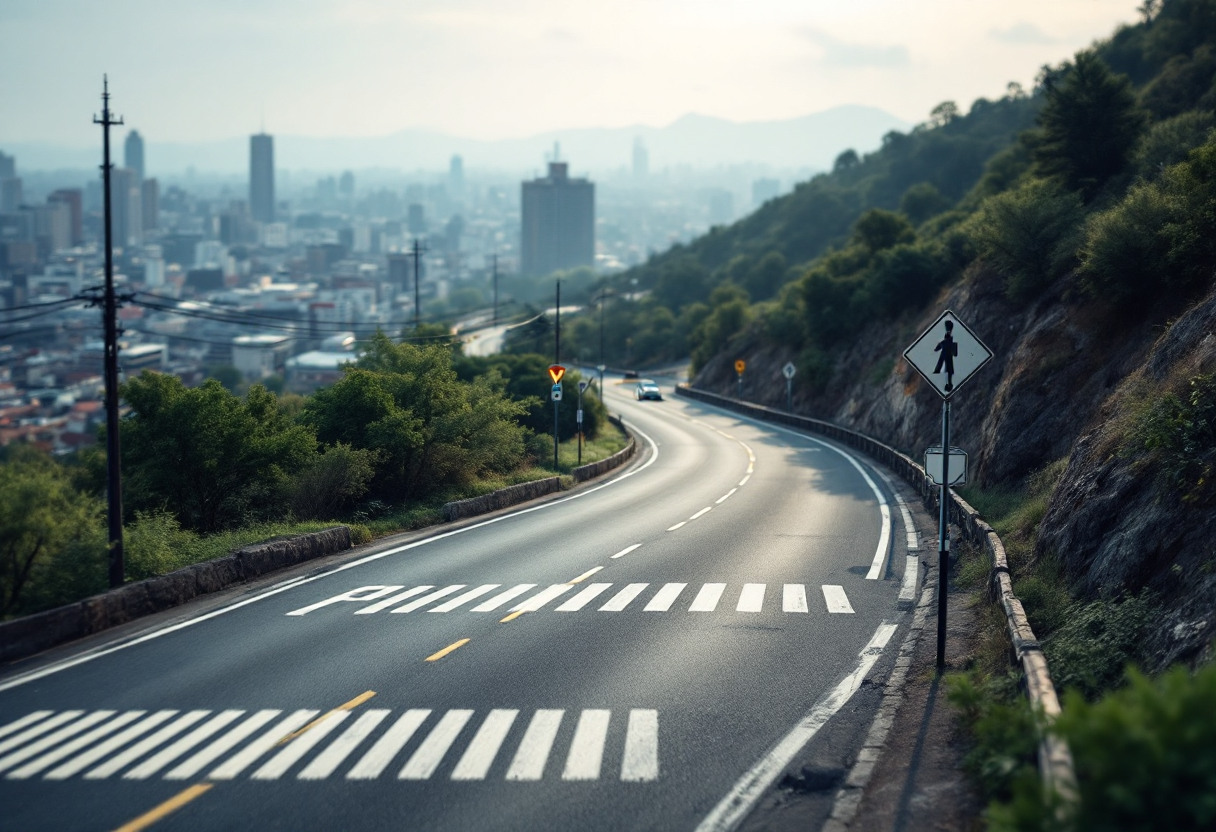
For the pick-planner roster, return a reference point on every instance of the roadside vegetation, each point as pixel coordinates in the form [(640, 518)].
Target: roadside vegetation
[(207, 471)]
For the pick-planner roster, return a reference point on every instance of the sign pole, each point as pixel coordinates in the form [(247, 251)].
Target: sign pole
[(943, 539), (789, 395), (580, 422)]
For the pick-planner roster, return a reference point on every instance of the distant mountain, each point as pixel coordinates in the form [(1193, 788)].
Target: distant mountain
[(811, 141)]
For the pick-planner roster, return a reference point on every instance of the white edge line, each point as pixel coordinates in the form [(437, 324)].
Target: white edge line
[(734, 807), (884, 537), (626, 551), (43, 672)]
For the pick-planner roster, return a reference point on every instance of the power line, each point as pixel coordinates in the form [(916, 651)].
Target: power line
[(8, 309)]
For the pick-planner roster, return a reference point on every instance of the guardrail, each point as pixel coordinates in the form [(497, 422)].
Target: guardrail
[(1054, 757)]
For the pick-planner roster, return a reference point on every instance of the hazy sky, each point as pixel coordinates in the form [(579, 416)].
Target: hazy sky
[(184, 70)]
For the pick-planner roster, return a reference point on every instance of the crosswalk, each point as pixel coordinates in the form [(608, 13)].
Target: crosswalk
[(571, 597), (308, 744)]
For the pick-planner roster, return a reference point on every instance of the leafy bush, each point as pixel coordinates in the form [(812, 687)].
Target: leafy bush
[(1003, 726), (922, 201), (331, 482), (1146, 754), (1182, 432), (1169, 142), (156, 544), (1030, 235), (1095, 641)]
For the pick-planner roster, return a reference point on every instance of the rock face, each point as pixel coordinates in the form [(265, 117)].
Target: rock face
[(1058, 387)]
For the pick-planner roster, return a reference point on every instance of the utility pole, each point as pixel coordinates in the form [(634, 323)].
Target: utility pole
[(557, 326), (417, 252), (110, 313)]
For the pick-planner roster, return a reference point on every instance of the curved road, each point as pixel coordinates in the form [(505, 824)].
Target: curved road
[(690, 628)]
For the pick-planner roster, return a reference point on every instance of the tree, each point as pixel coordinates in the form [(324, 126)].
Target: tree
[(42, 516), (846, 161), (943, 114), (1088, 126), (922, 201), (878, 229), (208, 456)]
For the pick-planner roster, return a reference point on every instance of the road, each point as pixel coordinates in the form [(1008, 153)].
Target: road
[(648, 652)]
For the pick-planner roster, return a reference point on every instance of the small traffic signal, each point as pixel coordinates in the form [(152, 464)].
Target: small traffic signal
[(556, 372)]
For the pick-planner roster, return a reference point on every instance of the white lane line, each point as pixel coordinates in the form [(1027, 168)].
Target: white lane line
[(119, 762), (677, 526), (503, 597), (264, 744), (328, 760), (725, 496), (641, 761), (294, 751), (543, 597), (731, 810), (534, 748), (363, 593), (82, 761), (907, 590), (625, 551), (98, 653), (623, 598), (707, 598), (664, 598), (24, 721), (50, 741), (217, 749), (430, 597), (479, 756), (878, 567), (702, 512), (587, 748), (583, 598), (430, 753), (39, 729), (394, 601), (743, 481), (835, 598), (382, 753), (465, 597), (55, 755), (751, 599), (909, 527), (793, 598)]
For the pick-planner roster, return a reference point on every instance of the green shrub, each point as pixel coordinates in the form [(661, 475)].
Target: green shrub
[(331, 482), (359, 534), (156, 544), (1182, 432), (1095, 641), (1030, 235), (1169, 142), (1146, 754), (1003, 727)]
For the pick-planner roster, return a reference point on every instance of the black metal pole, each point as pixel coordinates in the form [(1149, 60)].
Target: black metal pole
[(943, 539), (580, 425), (557, 327), (113, 450)]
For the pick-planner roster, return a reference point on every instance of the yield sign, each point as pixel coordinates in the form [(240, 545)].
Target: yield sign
[(947, 354)]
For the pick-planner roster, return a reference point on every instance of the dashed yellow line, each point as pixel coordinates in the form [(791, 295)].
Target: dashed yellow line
[(351, 705), (512, 616), (434, 657), (586, 575), (168, 807)]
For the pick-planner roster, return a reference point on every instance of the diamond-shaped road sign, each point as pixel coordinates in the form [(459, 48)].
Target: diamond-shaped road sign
[(789, 369), (947, 354)]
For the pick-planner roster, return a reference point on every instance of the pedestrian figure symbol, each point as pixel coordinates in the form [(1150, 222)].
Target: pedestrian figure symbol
[(948, 350)]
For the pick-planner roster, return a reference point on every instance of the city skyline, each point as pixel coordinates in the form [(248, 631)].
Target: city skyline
[(476, 69)]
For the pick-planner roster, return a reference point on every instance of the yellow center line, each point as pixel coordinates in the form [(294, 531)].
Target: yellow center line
[(351, 705), (512, 616), (169, 806), (434, 657), (586, 575)]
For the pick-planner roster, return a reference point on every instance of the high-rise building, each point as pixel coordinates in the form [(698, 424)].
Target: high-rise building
[(10, 194), (558, 222), (261, 177), (456, 175), (400, 269), (133, 153), (8, 166), (641, 159), (346, 184), (416, 219), (150, 197), (75, 202), (126, 205)]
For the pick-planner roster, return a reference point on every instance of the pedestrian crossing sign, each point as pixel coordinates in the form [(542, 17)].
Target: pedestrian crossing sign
[(947, 354)]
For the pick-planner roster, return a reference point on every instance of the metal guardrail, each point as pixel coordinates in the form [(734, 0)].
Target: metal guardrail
[(1054, 758)]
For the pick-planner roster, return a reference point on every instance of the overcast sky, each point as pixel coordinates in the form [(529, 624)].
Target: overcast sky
[(187, 70)]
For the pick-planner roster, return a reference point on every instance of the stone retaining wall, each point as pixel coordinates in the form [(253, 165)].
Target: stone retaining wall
[(41, 631), (502, 498)]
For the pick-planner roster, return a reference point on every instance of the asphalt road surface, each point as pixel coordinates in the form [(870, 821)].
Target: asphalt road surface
[(650, 651)]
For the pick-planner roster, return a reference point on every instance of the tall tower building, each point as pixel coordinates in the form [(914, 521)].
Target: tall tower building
[(127, 204), (641, 159), (150, 197), (261, 177), (558, 222), (133, 153), (456, 175), (8, 166)]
